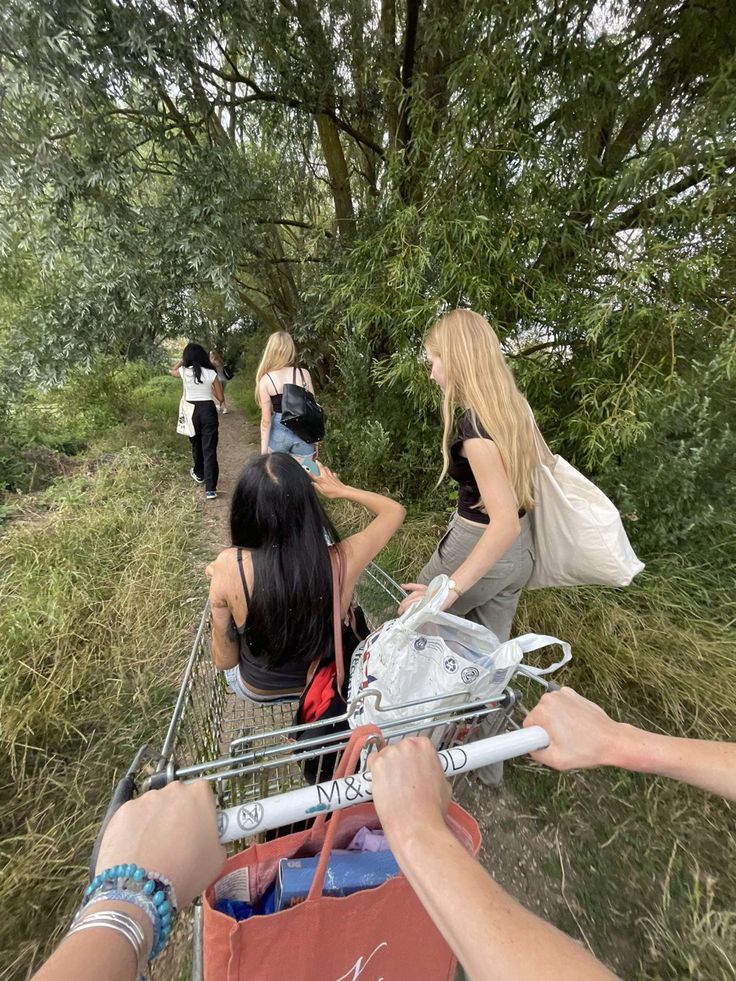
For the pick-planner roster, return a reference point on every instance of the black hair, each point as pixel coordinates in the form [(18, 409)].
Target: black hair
[(275, 512), (196, 358)]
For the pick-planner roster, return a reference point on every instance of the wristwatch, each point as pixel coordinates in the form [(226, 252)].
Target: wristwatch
[(453, 585)]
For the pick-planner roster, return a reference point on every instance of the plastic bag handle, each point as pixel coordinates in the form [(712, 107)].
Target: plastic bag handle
[(431, 602), (348, 764), (533, 642)]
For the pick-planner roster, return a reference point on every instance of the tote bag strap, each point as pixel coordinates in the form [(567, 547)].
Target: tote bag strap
[(337, 620), (544, 453), (348, 763)]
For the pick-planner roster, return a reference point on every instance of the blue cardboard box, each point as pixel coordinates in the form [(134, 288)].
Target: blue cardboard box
[(347, 872)]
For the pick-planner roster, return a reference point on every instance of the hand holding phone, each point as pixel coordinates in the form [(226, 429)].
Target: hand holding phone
[(311, 466)]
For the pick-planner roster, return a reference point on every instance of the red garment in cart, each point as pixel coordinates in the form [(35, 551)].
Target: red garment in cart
[(318, 694)]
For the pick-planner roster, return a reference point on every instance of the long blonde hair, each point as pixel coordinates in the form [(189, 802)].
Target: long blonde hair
[(216, 359), (279, 353), (478, 379)]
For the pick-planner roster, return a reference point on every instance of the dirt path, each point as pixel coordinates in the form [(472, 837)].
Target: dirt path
[(239, 439)]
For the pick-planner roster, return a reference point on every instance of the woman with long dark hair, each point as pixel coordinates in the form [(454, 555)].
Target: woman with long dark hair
[(202, 387), (271, 593)]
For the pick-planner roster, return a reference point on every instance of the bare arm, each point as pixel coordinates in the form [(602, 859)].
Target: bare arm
[(225, 650), (490, 933), (265, 414), (362, 547), (172, 831), (174, 372), (217, 390), (582, 736)]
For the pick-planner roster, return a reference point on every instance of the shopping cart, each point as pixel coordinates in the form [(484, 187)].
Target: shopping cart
[(250, 754)]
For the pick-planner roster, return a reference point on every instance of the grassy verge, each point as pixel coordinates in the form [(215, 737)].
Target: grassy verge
[(648, 863), (100, 587)]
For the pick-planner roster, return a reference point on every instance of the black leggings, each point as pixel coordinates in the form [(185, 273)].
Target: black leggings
[(204, 443)]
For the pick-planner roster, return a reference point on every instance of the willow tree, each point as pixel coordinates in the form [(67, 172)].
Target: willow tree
[(348, 169)]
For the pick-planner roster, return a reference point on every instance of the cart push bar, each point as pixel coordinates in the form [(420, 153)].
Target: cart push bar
[(248, 820)]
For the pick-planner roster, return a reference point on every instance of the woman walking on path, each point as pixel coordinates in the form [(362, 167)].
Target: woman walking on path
[(279, 367), (202, 387), (487, 550), (271, 593), (219, 365)]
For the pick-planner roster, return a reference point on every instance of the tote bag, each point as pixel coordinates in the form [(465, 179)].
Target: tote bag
[(382, 932), (185, 422), (579, 537)]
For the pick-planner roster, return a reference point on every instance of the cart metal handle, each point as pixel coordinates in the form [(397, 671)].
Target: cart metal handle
[(251, 819)]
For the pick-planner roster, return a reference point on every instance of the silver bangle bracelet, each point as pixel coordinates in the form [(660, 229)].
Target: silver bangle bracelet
[(122, 923)]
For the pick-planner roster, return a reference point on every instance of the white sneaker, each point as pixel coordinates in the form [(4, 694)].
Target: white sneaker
[(224, 410), (195, 478)]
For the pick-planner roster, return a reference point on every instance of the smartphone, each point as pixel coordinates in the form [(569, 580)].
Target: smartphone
[(311, 466)]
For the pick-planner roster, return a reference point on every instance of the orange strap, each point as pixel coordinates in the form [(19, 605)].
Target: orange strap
[(348, 763)]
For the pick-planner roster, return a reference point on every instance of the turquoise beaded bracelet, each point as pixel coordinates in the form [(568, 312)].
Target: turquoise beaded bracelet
[(156, 889)]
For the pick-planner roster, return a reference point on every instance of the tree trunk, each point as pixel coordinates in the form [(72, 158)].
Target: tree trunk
[(338, 170)]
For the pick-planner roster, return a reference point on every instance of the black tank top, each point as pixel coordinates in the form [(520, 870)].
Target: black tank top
[(277, 399), (468, 495), (291, 676)]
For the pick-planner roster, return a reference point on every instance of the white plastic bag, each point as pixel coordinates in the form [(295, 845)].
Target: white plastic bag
[(579, 538), (434, 657)]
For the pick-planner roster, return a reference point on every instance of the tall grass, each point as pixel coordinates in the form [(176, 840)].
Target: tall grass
[(95, 628)]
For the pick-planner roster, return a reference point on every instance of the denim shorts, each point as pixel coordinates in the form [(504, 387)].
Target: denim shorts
[(238, 687), (282, 440)]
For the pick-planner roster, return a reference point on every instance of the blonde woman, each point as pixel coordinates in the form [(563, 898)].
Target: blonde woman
[(219, 365), (279, 367), (487, 550)]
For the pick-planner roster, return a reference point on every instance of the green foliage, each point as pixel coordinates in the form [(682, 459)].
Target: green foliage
[(678, 480), (48, 425)]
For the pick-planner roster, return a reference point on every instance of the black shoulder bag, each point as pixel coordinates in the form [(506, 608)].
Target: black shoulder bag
[(301, 412)]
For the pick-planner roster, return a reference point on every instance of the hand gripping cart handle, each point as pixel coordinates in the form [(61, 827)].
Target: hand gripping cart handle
[(270, 813)]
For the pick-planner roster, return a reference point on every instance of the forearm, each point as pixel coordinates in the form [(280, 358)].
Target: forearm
[(490, 933), (265, 433), (495, 541), (99, 953), (375, 503), (708, 765)]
